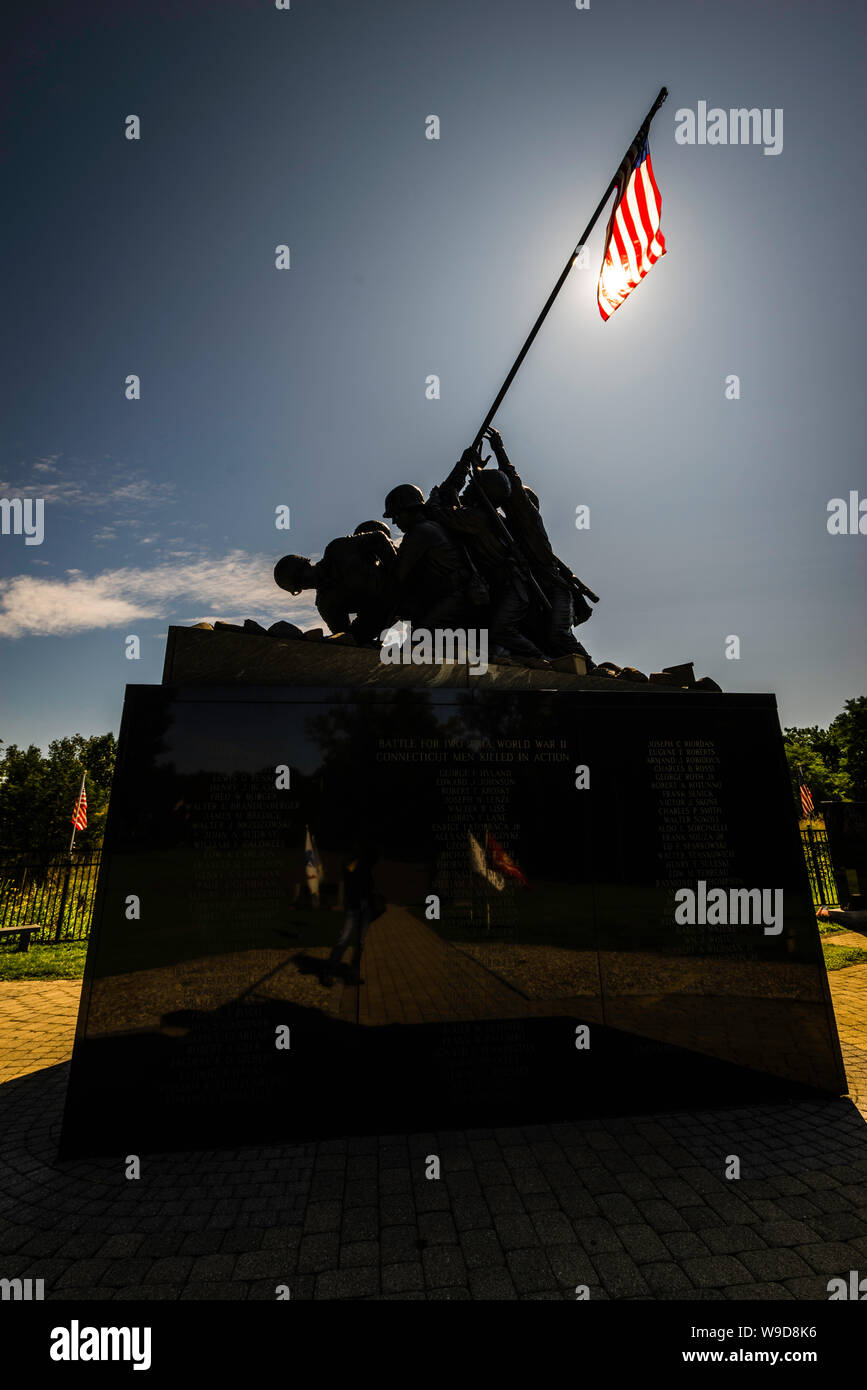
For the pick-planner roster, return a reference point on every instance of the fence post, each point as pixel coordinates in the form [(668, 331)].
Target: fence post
[(63, 897), (814, 867)]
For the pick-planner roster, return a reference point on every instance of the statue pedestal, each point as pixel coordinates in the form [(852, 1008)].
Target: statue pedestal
[(529, 963)]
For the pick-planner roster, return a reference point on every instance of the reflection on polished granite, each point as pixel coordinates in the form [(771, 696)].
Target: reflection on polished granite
[(517, 908)]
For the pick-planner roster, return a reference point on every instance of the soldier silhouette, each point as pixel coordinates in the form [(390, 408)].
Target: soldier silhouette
[(556, 580), (467, 516), (434, 577), (355, 575)]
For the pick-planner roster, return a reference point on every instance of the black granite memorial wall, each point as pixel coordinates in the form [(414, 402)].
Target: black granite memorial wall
[(534, 958)]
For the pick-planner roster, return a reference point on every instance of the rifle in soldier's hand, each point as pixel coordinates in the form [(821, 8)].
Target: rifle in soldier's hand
[(581, 590), (579, 587)]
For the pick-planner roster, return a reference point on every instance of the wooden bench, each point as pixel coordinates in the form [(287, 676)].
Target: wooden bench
[(24, 933)]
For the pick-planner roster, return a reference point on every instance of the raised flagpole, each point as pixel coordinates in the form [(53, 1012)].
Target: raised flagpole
[(76, 812), (642, 130)]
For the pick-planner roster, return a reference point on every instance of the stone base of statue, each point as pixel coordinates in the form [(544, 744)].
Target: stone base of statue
[(589, 896)]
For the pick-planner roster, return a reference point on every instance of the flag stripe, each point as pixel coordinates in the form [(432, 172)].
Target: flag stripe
[(634, 242), (624, 237), (632, 217), (646, 205), (653, 199)]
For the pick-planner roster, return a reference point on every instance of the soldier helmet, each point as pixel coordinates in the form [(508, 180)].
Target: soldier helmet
[(364, 526), (495, 485), (402, 499), (293, 573)]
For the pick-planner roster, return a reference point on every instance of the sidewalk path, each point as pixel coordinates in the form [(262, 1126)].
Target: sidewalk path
[(37, 1024), (632, 1207), (849, 993)]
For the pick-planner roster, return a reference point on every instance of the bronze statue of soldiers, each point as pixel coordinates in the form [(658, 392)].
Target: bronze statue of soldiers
[(433, 576), (561, 588), (469, 517), (355, 575)]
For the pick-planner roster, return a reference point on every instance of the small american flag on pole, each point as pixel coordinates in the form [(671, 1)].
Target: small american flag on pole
[(79, 814), (807, 802), (633, 241)]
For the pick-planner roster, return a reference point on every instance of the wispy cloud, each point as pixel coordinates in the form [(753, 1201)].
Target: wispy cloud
[(201, 589), (86, 486)]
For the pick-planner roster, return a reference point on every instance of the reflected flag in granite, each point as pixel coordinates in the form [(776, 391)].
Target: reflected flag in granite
[(480, 863), (504, 862), (312, 864)]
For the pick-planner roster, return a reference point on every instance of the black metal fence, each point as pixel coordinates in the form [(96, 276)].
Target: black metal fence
[(57, 897), (817, 853)]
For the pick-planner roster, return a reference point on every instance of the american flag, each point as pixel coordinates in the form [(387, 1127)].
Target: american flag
[(633, 241), (79, 814), (806, 802)]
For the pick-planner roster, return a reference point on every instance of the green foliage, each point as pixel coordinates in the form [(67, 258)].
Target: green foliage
[(38, 793), (809, 749), (849, 731), (37, 895), (833, 760)]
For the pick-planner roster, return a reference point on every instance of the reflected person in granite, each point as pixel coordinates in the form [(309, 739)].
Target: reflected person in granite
[(362, 904)]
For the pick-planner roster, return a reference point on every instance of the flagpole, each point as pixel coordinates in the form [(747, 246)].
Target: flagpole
[(77, 808), (663, 93)]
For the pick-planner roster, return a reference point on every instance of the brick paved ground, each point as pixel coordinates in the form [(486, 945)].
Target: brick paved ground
[(849, 992), (413, 975), (634, 1208), (37, 1024)]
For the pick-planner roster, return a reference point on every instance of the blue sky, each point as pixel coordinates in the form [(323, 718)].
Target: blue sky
[(409, 257)]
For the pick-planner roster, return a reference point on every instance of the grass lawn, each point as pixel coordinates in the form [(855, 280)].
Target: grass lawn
[(837, 957), (61, 960), (64, 960)]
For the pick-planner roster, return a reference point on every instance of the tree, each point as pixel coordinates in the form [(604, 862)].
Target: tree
[(38, 793), (833, 760), (808, 750), (849, 731)]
